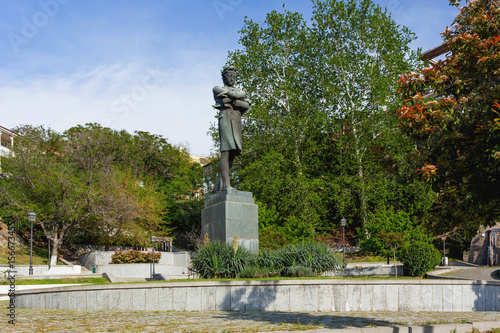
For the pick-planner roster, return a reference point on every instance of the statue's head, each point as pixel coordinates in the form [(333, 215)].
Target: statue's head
[(229, 75)]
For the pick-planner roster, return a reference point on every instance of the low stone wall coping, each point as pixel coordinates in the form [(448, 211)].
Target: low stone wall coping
[(195, 284), (274, 295)]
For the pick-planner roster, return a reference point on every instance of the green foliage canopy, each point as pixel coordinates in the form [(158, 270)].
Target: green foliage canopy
[(376, 237), (451, 110), (94, 184), (320, 138)]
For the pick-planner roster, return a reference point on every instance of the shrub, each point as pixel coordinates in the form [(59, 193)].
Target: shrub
[(419, 258), (134, 257), (389, 222), (221, 260), (216, 259), (255, 272), (298, 271)]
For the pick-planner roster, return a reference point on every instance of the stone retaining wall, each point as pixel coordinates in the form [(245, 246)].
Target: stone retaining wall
[(143, 270), (104, 258), (170, 264), (287, 295)]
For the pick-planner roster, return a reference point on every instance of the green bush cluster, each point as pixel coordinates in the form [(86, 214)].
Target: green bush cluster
[(256, 272), (419, 258), (221, 260), (134, 257), (387, 230)]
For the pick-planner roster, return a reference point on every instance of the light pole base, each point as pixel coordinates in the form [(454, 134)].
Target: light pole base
[(444, 261)]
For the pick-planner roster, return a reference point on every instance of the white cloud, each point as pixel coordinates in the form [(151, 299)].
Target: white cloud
[(175, 103)]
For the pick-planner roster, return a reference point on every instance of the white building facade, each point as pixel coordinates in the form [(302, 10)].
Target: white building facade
[(6, 142)]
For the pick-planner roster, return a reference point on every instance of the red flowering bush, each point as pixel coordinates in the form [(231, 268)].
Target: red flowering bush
[(134, 257)]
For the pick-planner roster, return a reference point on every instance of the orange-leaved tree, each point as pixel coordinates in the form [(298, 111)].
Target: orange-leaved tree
[(451, 110)]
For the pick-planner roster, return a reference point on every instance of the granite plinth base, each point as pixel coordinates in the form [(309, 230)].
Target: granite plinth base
[(230, 213)]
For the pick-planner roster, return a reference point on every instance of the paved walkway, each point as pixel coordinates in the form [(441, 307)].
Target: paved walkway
[(33, 320), (472, 273)]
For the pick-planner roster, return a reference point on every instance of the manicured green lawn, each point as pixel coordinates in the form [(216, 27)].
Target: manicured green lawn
[(22, 255), (76, 280)]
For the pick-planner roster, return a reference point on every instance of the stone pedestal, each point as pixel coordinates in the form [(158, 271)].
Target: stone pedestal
[(229, 213)]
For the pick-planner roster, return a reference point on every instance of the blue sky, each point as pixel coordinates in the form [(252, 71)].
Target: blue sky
[(141, 65)]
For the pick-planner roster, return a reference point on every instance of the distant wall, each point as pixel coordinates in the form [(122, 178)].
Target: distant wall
[(287, 295), (170, 263), (143, 270), (367, 269), (485, 248)]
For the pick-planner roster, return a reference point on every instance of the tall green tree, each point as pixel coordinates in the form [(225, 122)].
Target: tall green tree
[(152, 158), (105, 186), (451, 110), (319, 139), (387, 230), (68, 190)]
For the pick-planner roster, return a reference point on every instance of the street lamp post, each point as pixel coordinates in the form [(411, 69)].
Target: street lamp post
[(153, 240), (31, 218), (49, 236), (343, 223), (444, 263)]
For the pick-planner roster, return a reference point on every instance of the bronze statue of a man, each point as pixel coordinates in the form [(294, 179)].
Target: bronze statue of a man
[(231, 103)]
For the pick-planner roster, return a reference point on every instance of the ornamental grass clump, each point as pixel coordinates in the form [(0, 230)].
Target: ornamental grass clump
[(216, 259), (220, 260), (315, 257), (258, 272)]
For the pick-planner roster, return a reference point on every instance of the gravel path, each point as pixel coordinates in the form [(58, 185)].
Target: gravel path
[(33, 320)]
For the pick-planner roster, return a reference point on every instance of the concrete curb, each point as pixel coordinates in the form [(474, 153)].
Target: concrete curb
[(445, 328), (336, 282)]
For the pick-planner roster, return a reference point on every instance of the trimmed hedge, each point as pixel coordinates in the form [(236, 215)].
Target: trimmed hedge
[(134, 257)]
